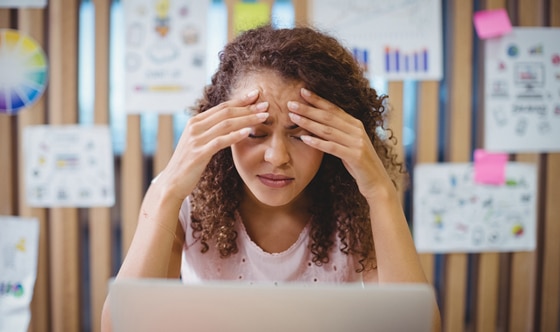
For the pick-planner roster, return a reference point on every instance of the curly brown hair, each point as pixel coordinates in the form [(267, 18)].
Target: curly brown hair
[(325, 67)]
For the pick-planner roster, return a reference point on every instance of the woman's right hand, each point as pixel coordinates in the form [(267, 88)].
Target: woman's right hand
[(204, 135)]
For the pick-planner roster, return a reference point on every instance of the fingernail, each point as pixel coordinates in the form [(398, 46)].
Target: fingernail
[(294, 117), (262, 116), (262, 106), (252, 93), (305, 92), (293, 105), (244, 131)]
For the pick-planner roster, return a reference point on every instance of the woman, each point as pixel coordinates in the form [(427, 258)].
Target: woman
[(280, 175)]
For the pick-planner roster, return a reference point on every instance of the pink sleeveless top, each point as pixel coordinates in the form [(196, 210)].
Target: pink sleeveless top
[(251, 264)]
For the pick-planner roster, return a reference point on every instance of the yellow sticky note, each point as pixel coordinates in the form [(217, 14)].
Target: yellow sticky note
[(248, 15)]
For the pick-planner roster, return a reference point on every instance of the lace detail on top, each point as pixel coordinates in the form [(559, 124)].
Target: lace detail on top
[(252, 264)]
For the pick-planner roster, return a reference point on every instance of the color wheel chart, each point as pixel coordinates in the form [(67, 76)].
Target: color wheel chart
[(23, 65)]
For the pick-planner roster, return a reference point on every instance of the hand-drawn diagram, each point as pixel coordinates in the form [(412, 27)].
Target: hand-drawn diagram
[(452, 213), (395, 40), (70, 166), (19, 243), (522, 98), (165, 54)]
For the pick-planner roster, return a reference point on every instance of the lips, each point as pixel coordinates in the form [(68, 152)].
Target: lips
[(275, 180)]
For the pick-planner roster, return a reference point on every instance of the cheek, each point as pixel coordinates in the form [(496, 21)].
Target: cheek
[(312, 157), (244, 152)]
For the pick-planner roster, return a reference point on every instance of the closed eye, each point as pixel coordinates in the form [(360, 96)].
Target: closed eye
[(257, 136)]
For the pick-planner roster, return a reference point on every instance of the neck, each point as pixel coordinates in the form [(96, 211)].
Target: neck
[(274, 228)]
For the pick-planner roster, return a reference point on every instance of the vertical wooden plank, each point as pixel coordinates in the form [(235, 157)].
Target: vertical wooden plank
[(100, 217), (229, 7), (459, 149), (550, 305), (550, 301), (6, 145), (6, 165), (131, 177), (31, 22), (524, 264), (427, 145), (487, 290), (301, 12), (63, 222), (165, 142)]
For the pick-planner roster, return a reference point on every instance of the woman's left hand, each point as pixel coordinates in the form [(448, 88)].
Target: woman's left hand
[(339, 134)]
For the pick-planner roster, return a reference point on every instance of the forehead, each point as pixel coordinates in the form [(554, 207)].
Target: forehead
[(273, 87)]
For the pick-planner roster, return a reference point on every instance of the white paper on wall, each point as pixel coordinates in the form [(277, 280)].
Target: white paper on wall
[(452, 213), (68, 166), (522, 91), (165, 54), (23, 3), (19, 239), (396, 40)]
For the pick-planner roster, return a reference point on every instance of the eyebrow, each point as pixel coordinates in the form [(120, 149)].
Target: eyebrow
[(290, 127)]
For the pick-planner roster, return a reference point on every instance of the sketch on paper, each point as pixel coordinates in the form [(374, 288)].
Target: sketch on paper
[(68, 166), (522, 91), (452, 213), (19, 243), (165, 61)]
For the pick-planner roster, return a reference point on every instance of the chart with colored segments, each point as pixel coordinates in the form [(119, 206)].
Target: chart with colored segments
[(25, 71)]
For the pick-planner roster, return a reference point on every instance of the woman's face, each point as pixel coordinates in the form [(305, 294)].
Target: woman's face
[(274, 164)]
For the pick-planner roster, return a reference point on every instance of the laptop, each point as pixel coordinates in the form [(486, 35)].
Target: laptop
[(169, 305)]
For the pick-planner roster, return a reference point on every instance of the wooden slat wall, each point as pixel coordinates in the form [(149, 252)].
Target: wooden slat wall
[(482, 292), (64, 228), (31, 21), (100, 246), (550, 273), (524, 264), (487, 269)]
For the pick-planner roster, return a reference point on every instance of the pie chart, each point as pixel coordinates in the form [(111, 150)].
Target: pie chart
[(23, 65)]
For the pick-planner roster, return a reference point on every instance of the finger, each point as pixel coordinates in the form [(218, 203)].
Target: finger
[(323, 131), (229, 118), (248, 99), (234, 124), (330, 147), (321, 104), (333, 116)]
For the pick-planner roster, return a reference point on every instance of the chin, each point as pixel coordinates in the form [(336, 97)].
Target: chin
[(273, 199)]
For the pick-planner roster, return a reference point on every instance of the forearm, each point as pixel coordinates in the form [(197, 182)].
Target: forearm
[(397, 258), (150, 252)]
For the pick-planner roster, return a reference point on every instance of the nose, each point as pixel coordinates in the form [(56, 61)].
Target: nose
[(277, 152)]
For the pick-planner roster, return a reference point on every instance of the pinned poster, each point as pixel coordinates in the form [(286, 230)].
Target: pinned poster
[(453, 213), (68, 166), (522, 91), (248, 15), (165, 54), (23, 3), (491, 23), (19, 243), (24, 69), (395, 40)]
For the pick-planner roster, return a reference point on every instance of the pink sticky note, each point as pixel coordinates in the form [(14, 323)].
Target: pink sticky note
[(491, 23), (489, 168)]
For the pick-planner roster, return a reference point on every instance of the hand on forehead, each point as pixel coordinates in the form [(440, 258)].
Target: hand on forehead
[(272, 88)]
